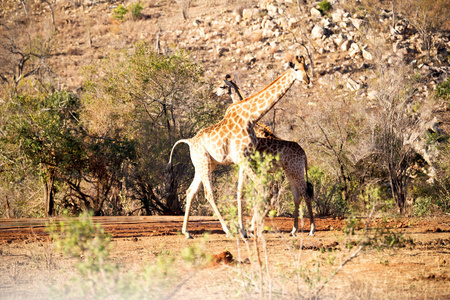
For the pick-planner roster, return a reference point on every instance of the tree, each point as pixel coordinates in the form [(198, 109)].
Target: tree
[(394, 129), (153, 99), (428, 17), (23, 53), (44, 129)]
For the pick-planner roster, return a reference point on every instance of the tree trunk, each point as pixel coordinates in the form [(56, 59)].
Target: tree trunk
[(172, 201), (49, 192)]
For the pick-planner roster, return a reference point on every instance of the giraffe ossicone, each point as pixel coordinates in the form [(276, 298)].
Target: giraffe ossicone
[(232, 140)]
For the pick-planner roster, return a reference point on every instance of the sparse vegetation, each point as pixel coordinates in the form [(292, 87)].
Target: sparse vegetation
[(119, 12), (325, 7), (92, 97)]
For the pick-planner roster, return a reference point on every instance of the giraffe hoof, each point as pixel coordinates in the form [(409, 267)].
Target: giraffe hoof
[(188, 236)]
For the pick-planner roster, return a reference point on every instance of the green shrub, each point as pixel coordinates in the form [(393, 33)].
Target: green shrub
[(324, 7), (136, 10), (443, 91), (327, 193), (81, 238), (423, 206), (119, 12)]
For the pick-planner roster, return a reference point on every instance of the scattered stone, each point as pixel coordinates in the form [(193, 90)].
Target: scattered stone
[(357, 23), (346, 45), (352, 85), (315, 12), (337, 15), (250, 13), (367, 55), (354, 50), (372, 95), (317, 32)]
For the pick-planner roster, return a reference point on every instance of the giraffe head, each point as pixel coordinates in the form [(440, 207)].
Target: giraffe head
[(230, 88), (299, 67)]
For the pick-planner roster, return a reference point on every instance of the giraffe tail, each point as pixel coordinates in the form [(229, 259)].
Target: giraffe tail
[(186, 141)]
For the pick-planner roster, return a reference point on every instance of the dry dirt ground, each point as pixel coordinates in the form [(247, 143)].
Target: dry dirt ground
[(30, 268)]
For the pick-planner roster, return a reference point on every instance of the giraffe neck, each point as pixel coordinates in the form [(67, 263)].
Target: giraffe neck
[(259, 104)]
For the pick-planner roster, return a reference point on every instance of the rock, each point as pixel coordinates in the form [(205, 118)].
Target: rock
[(326, 23), (293, 22), (317, 32), (315, 12), (357, 23), (372, 95), (354, 50), (346, 45), (250, 13), (337, 15), (352, 85), (367, 55)]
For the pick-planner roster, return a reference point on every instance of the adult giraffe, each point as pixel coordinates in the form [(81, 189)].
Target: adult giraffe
[(292, 157), (233, 140)]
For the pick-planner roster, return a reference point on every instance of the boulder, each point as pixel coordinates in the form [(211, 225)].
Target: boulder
[(357, 23), (250, 13), (337, 15), (315, 13), (352, 85), (367, 55), (345, 46), (317, 32)]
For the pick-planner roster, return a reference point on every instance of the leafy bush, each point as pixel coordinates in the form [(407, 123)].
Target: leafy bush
[(324, 7), (81, 238), (136, 10), (119, 12), (443, 90), (327, 198)]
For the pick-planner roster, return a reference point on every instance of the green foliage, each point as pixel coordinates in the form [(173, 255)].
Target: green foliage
[(81, 238), (325, 7), (327, 197), (136, 10), (99, 278), (153, 100), (436, 137), (258, 192), (45, 128), (195, 256), (443, 90), (119, 12), (423, 206)]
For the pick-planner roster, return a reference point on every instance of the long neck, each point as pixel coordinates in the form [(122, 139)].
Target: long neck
[(260, 103)]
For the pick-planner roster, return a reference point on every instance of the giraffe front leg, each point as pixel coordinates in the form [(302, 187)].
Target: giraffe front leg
[(239, 202)]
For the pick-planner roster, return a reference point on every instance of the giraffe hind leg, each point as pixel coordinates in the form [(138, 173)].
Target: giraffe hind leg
[(190, 194)]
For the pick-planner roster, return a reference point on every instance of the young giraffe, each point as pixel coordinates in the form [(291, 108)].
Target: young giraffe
[(231, 89), (292, 157), (232, 140)]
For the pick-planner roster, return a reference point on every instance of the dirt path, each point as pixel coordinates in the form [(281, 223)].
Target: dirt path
[(30, 268), (146, 226)]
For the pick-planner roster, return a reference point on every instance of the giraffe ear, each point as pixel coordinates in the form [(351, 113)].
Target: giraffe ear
[(291, 65)]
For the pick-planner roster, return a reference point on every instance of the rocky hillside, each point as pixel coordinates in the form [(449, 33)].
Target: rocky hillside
[(251, 40)]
